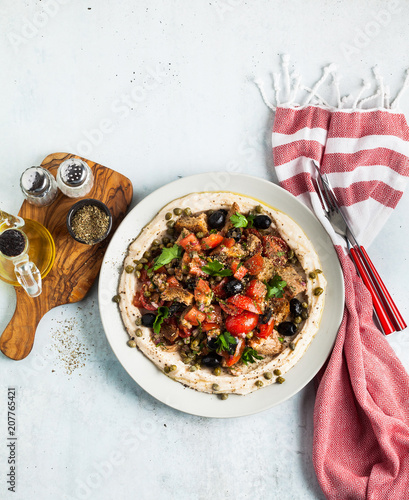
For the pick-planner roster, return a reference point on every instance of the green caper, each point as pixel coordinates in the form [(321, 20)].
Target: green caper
[(138, 321), (147, 293), (170, 223), (168, 216), (138, 274), (139, 266), (259, 383), (217, 371), (165, 240), (277, 372), (223, 397), (318, 291), (193, 368), (147, 254), (143, 260), (291, 345), (250, 335), (138, 332), (280, 380), (156, 242), (304, 305), (297, 320), (219, 278), (129, 269), (200, 235), (293, 260), (187, 211), (187, 360), (116, 298), (304, 314), (268, 375), (259, 209), (131, 343), (177, 211), (194, 344), (166, 369), (169, 245), (312, 275), (290, 254), (215, 387), (173, 368), (318, 271)]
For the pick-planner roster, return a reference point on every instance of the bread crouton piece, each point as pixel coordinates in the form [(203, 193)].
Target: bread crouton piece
[(236, 251), (295, 281), (268, 271), (254, 245), (280, 309), (169, 331), (178, 294), (194, 224), (228, 225), (267, 347)]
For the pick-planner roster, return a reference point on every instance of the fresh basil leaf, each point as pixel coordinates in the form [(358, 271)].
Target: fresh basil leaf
[(167, 255), (163, 312), (224, 340)]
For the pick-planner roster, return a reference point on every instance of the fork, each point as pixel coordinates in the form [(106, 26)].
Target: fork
[(385, 309)]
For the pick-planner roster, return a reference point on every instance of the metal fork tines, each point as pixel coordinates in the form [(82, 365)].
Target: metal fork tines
[(386, 311)]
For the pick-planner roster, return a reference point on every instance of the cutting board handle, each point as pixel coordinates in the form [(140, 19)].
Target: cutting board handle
[(17, 339)]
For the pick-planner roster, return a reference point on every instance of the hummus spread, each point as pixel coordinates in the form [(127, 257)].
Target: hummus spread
[(240, 378)]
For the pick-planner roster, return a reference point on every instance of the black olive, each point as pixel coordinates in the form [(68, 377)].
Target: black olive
[(212, 343), (235, 233), (262, 222), (148, 319), (295, 307), (265, 318), (191, 284), (212, 360), (287, 329), (175, 308), (232, 348), (233, 287), (217, 220)]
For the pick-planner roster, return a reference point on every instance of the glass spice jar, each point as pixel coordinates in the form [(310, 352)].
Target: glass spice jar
[(38, 186), (75, 178)]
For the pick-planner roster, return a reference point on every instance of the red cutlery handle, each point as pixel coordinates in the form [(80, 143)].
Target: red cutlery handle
[(380, 286), (384, 320)]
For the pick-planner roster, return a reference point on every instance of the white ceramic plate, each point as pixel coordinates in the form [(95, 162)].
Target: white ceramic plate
[(145, 373)]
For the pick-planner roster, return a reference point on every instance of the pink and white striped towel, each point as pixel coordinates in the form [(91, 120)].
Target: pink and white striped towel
[(361, 416)]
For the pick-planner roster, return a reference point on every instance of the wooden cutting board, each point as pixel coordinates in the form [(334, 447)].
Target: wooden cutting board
[(76, 265)]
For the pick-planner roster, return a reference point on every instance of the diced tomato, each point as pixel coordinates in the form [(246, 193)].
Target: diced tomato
[(172, 281), (211, 241), (230, 309), (213, 314), (256, 290), (206, 327), (246, 303), (203, 293), (244, 322), (275, 249), (219, 290), (195, 266), (228, 242), (161, 270), (184, 332), (194, 316), (190, 242), (239, 271), (232, 359), (144, 276), (254, 264), (266, 330), (141, 301)]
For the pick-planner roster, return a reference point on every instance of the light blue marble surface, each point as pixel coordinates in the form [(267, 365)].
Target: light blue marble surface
[(158, 90)]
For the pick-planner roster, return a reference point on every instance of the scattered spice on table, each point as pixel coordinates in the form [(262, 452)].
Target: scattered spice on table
[(90, 223), (70, 350)]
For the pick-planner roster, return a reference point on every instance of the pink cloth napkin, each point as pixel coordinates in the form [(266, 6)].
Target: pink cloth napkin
[(361, 416)]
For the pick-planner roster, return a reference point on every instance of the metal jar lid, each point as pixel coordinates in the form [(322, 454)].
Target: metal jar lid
[(35, 182), (74, 172)]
